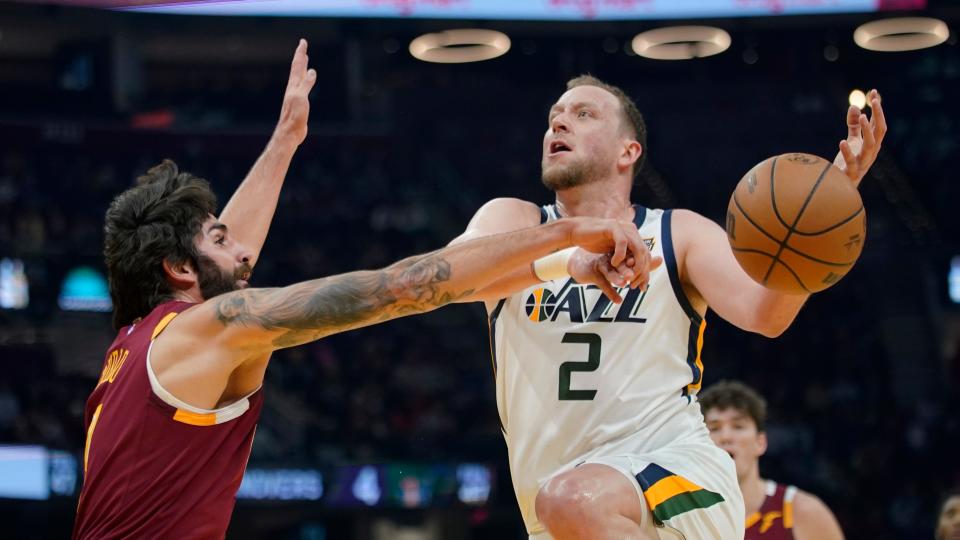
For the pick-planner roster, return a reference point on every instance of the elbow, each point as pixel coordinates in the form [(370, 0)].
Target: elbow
[(770, 317), (770, 325), (772, 330)]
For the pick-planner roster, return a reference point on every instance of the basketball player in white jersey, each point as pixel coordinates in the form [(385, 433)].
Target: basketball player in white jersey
[(597, 400)]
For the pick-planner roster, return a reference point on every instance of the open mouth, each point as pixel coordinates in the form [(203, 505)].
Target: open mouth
[(559, 146)]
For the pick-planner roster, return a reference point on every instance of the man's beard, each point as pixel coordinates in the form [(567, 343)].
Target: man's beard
[(567, 176), (214, 281)]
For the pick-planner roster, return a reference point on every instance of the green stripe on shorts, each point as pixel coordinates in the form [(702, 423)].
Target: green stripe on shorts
[(684, 502)]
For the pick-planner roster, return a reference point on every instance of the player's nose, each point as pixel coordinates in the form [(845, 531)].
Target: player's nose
[(559, 124), (244, 254), (724, 438)]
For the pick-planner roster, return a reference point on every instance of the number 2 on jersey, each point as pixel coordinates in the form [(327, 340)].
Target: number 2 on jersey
[(590, 364)]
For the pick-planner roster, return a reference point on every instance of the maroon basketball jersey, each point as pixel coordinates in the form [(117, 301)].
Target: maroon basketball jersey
[(774, 520), (156, 467)]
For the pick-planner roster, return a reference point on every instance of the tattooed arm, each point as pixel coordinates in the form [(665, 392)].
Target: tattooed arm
[(310, 310), (216, 352), (268, 319)]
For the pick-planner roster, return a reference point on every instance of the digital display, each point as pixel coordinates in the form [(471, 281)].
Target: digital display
[(14, 287), (35, 472), (544, 10), (84, 289), (399, 485), (474, 483), (357, 486), (64, 473), (281, 485), (953, 280), (24, 472)]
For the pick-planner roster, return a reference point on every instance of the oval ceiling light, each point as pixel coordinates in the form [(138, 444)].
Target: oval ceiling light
[(857, 98), (458, 46), (901, 34), (681, 42)]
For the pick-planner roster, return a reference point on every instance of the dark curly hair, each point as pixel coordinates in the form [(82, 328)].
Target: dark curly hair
[(156, 220), (632, 118), (738, 396)]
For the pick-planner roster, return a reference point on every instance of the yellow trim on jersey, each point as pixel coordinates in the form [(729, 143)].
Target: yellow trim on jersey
[(162, 324), (787, 514), (668, 487), (769, 519), (694, 387), (195, 419), (537, 298), (752, 520), (93, 425)]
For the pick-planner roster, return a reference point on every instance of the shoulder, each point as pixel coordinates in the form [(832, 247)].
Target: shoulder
[(499, 216), (690, 231), (806, 504), (688, 220), (510, 204), (812, 518)]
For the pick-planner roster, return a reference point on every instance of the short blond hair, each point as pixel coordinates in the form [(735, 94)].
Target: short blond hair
[(632, 119)]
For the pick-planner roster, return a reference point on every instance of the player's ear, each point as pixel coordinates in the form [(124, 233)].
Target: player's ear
[(179, 274), (630, 154), (761, 443)]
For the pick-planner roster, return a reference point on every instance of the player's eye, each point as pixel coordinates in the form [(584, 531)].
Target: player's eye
[(583, 114), (221, 240)]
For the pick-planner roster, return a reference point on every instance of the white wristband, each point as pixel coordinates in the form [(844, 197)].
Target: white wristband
[(553, 266)]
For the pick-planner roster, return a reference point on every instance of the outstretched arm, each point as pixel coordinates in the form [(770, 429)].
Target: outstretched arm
[(712, 277), (504, 214), (224, 342), (255, 321), (250, 210)]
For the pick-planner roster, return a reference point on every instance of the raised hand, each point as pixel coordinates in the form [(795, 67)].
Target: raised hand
[(864, 136), (292, 126)]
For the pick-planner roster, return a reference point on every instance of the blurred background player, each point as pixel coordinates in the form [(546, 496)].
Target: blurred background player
[(948, 520), (736, 416)]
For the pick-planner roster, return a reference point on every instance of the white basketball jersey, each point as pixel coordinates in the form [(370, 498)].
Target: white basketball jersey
[(578, 375)]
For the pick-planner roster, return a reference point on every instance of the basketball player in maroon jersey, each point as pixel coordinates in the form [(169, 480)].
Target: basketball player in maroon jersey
[(736, 417), (172, 418), (948, 521)]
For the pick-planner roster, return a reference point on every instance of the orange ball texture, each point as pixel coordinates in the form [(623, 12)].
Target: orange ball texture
[(796, 223)]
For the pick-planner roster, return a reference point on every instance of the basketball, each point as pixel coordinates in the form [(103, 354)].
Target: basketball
[(796, 223)]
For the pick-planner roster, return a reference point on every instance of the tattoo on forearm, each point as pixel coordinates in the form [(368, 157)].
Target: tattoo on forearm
[(308, 311)]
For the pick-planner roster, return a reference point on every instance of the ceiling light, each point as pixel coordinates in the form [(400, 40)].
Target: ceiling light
[(858, 99), (901, 34), (458, 46), (681, 42)]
